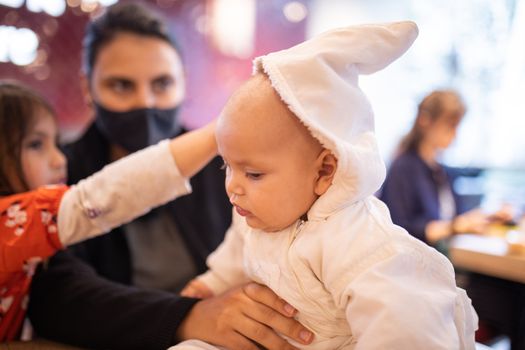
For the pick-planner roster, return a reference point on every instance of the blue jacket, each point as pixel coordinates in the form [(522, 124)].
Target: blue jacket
[(411, 193)]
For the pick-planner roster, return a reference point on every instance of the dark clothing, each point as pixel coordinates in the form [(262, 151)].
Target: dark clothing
[(83, 296), (411, 192), (501, 305)]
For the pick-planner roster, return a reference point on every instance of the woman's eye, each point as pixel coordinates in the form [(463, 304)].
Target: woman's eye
[(162, 85), (121, 86)]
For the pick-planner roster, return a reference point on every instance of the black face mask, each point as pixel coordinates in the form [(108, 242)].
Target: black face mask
[(137, 128)]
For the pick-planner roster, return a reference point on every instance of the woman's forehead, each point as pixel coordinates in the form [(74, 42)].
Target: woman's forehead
[(129, 55)]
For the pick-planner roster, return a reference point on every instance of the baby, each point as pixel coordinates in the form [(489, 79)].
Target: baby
[(302, 164)]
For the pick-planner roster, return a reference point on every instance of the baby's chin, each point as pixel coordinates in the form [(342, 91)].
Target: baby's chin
[(258, 225)]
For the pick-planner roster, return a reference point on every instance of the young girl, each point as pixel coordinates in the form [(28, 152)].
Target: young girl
[(39, 214)]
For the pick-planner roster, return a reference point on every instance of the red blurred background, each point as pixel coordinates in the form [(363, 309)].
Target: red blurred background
[(211, 73)]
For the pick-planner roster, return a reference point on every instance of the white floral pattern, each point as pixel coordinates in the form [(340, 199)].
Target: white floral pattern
[(46, 217), (16, 217), (29, 223), (5, 303), (48, 221)]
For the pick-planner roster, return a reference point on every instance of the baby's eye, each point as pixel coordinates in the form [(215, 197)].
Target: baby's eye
[(254, 176)]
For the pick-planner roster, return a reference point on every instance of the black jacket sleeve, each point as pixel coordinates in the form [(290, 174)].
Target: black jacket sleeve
[(117, 316)]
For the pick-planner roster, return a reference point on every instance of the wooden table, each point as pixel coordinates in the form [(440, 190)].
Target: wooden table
[(487, 255), (36, 345)]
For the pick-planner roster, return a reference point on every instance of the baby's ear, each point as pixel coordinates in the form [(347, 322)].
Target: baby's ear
[(326, 167)]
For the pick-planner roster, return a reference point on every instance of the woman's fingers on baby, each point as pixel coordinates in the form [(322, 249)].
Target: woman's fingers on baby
[(217, 321), (276, 313), (187, 292), (263, 335), (266, 296), (196, 289)]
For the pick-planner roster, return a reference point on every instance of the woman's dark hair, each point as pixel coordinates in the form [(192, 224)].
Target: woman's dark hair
[(18, 107), (130, 17), (433, 105)]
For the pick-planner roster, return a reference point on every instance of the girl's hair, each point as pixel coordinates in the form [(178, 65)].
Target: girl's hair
[(433, 105), (18, 107), (130, 17)]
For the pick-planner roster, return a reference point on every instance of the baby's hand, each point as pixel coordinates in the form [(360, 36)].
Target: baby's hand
[(196, 289)]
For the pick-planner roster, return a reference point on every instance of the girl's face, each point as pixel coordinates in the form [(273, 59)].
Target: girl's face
[(42, 161)]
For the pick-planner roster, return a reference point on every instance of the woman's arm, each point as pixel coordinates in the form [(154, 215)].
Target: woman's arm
[(131, 186), (36, 224), (125, 317), (244, 315), (193, 150)]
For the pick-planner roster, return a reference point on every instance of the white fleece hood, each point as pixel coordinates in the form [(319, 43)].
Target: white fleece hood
[(318, 80)]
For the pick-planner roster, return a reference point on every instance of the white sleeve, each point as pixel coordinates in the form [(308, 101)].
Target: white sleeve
[(120, 192), (407, 301), (226, 262)]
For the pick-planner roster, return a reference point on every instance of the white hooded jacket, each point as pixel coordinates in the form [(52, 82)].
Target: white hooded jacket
[(357, 280)]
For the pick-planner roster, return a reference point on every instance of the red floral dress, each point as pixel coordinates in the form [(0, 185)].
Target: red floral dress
[(28, 235)]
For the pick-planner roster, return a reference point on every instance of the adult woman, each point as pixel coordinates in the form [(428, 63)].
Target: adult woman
[(418, 190), (134, 79), (419, 193)]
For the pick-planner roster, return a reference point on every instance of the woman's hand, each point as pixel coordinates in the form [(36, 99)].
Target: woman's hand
[(473, 221), (505, 214), (242, 317), (196, 289)]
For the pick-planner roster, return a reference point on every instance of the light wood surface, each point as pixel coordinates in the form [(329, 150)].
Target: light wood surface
[(488, 255)]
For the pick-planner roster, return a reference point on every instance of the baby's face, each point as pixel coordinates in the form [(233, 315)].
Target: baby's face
[(270, 157)]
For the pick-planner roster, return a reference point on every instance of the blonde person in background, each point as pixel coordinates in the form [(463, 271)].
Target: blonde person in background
[(421, 198), (418, 190)]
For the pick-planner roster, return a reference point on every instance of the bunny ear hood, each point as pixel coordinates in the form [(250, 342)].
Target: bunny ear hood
[(318, 80)]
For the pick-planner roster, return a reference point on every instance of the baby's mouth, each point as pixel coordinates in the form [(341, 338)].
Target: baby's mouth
[(241, 211)]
